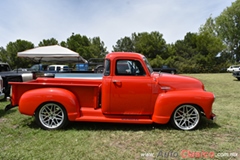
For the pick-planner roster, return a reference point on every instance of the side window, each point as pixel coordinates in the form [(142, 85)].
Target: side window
[(44, 67), (35, 67), (58, 68), (106, 67), (65, 68), (51, 68), (129, 68)]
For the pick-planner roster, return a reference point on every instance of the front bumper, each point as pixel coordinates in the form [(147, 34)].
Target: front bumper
[(236, 74)]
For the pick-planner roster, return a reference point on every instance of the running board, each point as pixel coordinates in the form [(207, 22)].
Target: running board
[(114, 120), (96, 115)]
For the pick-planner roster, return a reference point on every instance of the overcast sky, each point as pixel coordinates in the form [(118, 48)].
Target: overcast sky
[(35, 20)]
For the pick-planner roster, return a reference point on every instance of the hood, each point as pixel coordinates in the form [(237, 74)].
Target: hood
[(177, 82)]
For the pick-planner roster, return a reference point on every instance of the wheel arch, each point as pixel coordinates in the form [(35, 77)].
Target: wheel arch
[(167, 103), (46, 102), (193, 104), (61, 96)]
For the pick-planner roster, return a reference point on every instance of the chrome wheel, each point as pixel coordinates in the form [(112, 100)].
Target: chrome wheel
[(51, 116), (186, 117)]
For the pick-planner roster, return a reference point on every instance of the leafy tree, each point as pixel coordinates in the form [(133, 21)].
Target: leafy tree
[(48, 42), (86, 47), (79, 44), (157, 62), (228, 28), (186, 48), (97, 47), (11, 53), (124, 45), (198, 51), (209, 46), (3, 54), (150, 44), (209, 27)]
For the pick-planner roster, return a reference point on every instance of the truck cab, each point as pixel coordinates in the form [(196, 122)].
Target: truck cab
[(127, 85)]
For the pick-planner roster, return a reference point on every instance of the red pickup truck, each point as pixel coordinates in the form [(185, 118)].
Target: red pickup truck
[(127, 92)]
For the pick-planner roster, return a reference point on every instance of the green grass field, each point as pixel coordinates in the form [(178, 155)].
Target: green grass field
[(22, 139)]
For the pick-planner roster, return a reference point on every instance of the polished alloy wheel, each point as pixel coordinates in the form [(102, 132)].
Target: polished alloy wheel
[(51, 116), (186, 117)]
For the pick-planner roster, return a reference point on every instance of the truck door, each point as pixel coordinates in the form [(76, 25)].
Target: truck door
[(131, 89)]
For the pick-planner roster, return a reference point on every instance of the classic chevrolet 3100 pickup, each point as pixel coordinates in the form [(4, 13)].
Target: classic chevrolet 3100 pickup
[(127, 92)]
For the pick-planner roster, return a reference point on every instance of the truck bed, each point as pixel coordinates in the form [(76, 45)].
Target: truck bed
[(87, 88)]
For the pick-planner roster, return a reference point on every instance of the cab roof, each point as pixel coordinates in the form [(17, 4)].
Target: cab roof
[(114, 55)]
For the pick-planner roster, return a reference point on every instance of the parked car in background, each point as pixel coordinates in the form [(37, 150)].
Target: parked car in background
[(9, 75), (94, 65), (236, 74), (233, 68), (58, 68), (22, 69), (39, 67), (165, 69), (2, 95)]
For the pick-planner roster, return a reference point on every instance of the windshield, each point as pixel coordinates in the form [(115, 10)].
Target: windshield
[(4, 67), (147, 64)]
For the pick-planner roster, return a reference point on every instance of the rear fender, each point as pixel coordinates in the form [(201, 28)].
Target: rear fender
[(167, 102), (32, 99)]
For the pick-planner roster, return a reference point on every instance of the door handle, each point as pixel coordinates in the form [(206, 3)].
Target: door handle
[(116, 81)]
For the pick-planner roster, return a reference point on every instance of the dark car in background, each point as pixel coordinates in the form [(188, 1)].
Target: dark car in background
[(165, 69), (9, 75)]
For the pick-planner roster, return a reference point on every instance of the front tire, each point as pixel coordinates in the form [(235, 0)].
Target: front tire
[(186, 117), (51, 116)]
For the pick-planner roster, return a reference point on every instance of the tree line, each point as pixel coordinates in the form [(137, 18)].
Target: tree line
[(212, 49)]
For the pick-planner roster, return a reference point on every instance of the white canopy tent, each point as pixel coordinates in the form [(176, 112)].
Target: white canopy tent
[(53, 53)]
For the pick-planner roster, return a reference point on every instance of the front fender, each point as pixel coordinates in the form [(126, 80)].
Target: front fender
[(32, 99), (167, 102)]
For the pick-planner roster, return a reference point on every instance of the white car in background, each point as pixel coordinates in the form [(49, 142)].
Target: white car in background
[(58, 68), (233, 68)]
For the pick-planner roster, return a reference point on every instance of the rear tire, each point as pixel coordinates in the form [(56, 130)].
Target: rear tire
[(51, 116), (99, 69), (186, 117)]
